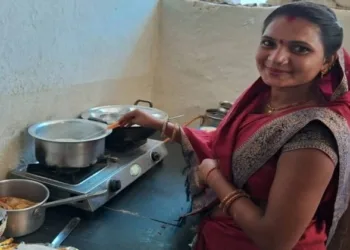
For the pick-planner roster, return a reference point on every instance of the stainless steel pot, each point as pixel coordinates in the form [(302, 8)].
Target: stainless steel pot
[(25, 221), (68, 143), (212, 118)]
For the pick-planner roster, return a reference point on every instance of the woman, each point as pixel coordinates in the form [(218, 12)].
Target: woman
[(275, 174)]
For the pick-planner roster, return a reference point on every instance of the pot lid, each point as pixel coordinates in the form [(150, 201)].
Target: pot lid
[(112, 113), (225, 104)]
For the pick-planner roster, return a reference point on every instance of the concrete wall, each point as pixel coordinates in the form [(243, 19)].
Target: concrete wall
[(59, 58), (207, 53)]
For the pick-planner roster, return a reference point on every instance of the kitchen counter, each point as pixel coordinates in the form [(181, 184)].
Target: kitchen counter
[(143, 216)]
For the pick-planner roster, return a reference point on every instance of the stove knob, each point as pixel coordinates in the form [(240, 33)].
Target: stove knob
[(155, 156), (114, 185)]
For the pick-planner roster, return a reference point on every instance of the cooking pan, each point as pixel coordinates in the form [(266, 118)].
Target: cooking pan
[(124, 135), (63, 143), (21, 222)]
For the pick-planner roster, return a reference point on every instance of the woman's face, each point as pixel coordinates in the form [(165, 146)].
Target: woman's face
[(290, 52)]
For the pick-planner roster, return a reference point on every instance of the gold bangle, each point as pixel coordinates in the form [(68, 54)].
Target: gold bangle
[(227, 197), (208, 174), (176, 127), (231, 201), (223, 204)]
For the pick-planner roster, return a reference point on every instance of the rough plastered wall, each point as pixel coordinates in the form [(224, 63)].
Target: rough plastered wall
[(59, 58), (207, 53)]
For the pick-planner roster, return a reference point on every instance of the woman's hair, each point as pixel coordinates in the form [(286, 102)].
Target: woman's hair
[(330, 30)]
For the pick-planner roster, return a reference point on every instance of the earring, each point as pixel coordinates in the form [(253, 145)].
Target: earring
[(324, 72)]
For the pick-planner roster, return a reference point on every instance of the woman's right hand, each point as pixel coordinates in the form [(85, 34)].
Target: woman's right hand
[(140, 118)]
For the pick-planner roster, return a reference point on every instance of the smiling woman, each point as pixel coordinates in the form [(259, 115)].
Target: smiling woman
[(287, 53), (275, 173)]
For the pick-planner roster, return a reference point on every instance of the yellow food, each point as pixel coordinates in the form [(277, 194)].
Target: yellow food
[(14, 203), (8, 244), (12, 246)]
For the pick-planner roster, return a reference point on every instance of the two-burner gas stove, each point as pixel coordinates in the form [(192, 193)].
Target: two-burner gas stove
[(115, 172)]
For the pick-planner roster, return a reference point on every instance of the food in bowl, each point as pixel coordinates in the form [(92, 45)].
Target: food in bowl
[(14, 203), (8, 244)]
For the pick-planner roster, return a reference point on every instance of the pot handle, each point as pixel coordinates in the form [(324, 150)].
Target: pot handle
[(74, 199), (95, 119), (144, 101)]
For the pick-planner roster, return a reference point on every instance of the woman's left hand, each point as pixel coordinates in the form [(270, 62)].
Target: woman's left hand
[(205, 168)]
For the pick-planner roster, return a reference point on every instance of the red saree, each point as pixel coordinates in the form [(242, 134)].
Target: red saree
[(246, 144)]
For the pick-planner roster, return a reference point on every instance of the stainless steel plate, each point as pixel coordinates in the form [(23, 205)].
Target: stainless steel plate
[(112, 113)]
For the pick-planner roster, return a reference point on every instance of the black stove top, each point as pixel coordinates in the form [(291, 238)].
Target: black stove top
[(125, 146), (70, 176)]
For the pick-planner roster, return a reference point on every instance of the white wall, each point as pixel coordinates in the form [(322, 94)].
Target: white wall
[(59, 58), (207, 53)]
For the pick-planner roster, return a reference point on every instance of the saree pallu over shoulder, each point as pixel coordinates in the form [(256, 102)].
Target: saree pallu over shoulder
[(269, 139), (200, 198)]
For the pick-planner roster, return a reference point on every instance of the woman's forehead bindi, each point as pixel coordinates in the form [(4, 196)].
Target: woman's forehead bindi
[(291, 18)]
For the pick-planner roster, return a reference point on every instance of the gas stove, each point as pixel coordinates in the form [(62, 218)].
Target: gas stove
[(115, 172)]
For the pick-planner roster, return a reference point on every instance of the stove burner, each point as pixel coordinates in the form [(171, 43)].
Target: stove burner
[(71, 176)]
